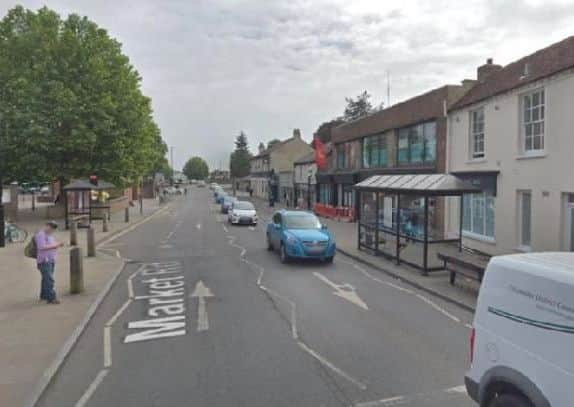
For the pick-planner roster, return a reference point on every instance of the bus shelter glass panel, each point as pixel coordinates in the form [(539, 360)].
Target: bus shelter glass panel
[(368, 220), (412, 229), (387, 224)]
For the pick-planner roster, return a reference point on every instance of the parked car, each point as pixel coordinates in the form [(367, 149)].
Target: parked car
[(299, 234), (213, 185), (227, 202), (521, 341), (201, 183), (219, 195), (242, 212)]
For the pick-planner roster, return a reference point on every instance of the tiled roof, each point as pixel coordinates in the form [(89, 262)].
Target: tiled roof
[(543, 63), (274, 147)]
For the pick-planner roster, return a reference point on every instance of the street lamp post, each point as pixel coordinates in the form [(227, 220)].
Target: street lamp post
[(309, 189)]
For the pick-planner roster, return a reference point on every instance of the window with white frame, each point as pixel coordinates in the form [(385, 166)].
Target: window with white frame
[(525, 221), (533, 121), (477, 133), (478, 214)]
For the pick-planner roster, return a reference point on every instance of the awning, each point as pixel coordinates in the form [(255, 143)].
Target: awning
[(423, 184), (484, 180)]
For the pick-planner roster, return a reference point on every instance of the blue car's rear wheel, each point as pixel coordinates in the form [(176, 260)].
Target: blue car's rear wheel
[(283, 255)]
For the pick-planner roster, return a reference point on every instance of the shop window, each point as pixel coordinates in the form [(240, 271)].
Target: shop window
[(478, 216)]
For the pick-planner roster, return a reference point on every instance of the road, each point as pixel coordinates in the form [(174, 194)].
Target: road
[(204, 315)]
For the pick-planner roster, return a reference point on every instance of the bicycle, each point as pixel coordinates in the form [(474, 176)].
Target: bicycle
[(14, 234)]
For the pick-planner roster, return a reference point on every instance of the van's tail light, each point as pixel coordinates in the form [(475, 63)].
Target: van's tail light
[(472, 340)]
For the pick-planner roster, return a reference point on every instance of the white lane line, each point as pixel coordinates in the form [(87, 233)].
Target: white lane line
[(438, 308), (331, 366), (198, 226), (130, 282), (92, 388), (440, 395), (107, 347), (224, 228), (456, 389), (119, 312)]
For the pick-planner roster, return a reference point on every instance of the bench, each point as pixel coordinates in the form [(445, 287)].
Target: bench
[(470, 266)]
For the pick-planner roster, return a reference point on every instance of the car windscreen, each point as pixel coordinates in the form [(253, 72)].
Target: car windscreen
[(301, 222), (243, 206)]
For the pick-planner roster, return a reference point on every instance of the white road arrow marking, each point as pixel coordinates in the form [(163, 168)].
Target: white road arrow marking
[(345, 291), (202, 292)]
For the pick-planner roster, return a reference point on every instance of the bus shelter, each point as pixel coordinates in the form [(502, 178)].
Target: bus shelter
[(86, 200), (404, 217)]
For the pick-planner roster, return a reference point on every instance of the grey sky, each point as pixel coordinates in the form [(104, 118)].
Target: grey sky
[(215, 67)]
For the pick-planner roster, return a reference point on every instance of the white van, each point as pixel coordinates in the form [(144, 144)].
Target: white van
[(522, 343)]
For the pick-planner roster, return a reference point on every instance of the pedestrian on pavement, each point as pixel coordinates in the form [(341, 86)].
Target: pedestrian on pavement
[(47, 247)]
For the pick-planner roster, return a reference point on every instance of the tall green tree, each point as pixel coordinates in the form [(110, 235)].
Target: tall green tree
[(71, 103), (358, 107), (196, 168), (324, 131), (239, 159)]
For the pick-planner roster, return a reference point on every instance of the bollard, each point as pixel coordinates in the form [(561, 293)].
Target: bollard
[(76, 271), (91, 235), (74, 233), (105, 224), (127, 214)]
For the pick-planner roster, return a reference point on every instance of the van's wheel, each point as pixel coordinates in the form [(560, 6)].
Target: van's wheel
[(283, 255), (509, 400), (329, 260), (269, 244)]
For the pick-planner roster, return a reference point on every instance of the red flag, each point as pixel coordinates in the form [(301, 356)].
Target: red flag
[(320, 153)]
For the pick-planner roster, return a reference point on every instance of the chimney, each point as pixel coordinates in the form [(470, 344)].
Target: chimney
[(297, 134), (261, 147), (484, 71)]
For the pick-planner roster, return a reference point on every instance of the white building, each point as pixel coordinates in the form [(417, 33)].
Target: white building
[(513, 135), (269, 163), (305, 182)]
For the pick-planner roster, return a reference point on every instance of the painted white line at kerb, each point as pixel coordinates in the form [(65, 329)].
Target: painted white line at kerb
[(92, 388), (132, 227)]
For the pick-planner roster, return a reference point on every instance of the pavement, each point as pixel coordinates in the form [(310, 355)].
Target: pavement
[(464, 293), (205, 315), (33, 334)]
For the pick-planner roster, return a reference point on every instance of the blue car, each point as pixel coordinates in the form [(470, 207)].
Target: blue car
[(228, 201), (299, 234), (219, 195)]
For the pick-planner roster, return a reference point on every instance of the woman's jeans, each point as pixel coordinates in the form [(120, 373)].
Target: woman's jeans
[(47, 287)]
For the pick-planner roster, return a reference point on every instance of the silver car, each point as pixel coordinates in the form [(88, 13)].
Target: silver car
[(242, 212)]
